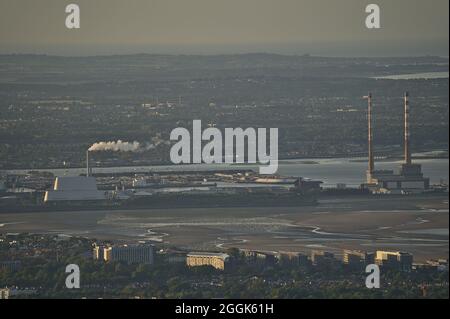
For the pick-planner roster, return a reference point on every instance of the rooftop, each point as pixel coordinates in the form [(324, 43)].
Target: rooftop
[(74, 188), (75, 183), (207, 254)]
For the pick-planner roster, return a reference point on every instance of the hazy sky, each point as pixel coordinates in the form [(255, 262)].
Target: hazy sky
[(320, 27)]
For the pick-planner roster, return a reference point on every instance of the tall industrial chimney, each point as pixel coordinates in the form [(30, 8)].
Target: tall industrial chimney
[(407, 147), (87, 164), (370, 136)]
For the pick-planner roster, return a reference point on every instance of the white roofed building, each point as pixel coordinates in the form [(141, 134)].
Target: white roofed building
[(74, 188)]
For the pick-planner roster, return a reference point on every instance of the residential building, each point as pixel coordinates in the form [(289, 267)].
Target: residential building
[(357, 259), (216, 260), (142, 253), (394, 260)]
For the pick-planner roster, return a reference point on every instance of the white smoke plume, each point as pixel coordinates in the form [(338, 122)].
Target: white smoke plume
[(118, 146)]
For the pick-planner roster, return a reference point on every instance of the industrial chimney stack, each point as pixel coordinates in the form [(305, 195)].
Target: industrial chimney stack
[(88, 172), (370, 137), (410, 177), (407, 146)]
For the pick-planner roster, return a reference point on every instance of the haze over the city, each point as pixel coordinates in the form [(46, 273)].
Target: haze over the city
[(331, 28)]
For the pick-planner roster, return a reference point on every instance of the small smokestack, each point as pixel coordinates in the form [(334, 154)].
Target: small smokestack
[(87, 164), (370, 135), (407, 147)]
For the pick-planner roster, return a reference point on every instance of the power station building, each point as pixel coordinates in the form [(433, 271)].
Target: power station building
[(74, 189), (409, 178)]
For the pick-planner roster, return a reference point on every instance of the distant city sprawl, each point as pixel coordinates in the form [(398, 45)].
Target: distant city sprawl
[(54, 108)]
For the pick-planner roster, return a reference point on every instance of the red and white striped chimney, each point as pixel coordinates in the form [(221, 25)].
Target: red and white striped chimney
[(406, 118)]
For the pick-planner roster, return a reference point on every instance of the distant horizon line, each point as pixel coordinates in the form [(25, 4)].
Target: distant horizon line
[(305, 55)]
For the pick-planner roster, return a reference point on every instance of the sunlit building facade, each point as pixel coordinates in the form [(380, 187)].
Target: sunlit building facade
[(216, 260)]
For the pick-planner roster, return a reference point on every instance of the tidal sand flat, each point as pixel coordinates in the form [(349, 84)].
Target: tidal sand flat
[(416, 224)]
